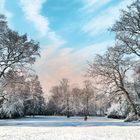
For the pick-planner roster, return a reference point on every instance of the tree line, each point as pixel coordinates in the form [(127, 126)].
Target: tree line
[(71, 100)]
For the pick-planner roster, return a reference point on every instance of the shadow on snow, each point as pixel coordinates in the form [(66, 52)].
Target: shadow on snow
[(56, 121)]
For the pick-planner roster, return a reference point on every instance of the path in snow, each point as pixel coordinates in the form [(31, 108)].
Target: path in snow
[(61, 128)]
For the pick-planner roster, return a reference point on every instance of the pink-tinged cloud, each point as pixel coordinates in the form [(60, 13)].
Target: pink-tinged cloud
[(57, 63)]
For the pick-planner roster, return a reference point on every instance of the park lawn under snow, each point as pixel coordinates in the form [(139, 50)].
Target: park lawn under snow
[(74, 128)]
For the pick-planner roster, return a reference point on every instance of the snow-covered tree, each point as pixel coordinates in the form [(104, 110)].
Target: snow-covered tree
[(111, 69), (127, 29), (64, 88), (19, 94), (87, 97), (15, 50), (77, 104), (35, 103), (61, 98), (17, 98)]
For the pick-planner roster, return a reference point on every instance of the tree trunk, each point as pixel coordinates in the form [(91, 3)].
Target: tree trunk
[(68, 112), (131, 103)]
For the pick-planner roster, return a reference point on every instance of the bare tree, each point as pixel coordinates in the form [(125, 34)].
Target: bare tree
[(64, 87), (61, 98), (111, 69), (127, 29), (77, 101), (55, 103), (15, 50), (88, 96)]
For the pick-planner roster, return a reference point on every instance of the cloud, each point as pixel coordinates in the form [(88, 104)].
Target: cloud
[(57, 62), (32, 10), (91, 6), (99, 24)]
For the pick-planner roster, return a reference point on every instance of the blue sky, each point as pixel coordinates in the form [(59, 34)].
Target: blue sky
[(70, 32)]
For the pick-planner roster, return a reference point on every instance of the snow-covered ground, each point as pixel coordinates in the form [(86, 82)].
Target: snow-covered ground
[(61, 128)]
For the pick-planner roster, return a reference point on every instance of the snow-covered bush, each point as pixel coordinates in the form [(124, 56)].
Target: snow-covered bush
[(12, 108), (117, 110)]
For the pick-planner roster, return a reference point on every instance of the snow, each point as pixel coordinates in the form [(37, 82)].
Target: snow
[(62, 128)]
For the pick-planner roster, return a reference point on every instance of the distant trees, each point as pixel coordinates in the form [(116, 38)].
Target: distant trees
[(61, 98), (88, 97), (77, 101), (54, 105), (68, 100), (64, 89)]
